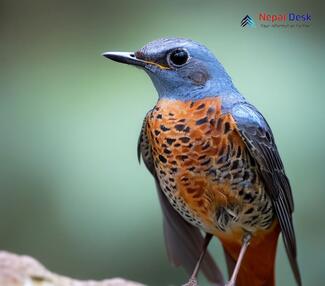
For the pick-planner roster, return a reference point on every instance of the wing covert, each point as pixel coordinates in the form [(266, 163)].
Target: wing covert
[(259, 140)]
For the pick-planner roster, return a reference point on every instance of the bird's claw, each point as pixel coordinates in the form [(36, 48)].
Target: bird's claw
[(191, 282)]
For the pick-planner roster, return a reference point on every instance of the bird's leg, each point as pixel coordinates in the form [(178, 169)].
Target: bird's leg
[(192, 281), (246, 241)]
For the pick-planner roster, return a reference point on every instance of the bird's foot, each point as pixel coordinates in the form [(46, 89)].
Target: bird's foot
[(191, 282)]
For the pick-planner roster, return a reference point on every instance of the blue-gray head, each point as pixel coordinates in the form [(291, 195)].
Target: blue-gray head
[(180, 69)]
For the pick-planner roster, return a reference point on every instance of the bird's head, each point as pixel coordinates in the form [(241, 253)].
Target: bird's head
[(179, 68)]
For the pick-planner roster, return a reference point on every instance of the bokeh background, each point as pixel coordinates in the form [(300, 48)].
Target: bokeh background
[(71, 191)]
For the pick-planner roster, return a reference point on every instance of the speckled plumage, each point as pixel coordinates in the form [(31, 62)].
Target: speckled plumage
[(204, 168)]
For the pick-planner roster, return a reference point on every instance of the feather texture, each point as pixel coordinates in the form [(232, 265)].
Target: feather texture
[(259, 140)]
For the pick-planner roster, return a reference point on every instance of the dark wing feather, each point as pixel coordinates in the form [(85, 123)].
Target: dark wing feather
[(183, 241), (259, 140)]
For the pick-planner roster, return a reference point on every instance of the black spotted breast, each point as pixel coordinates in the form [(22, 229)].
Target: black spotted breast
[(204, 168)]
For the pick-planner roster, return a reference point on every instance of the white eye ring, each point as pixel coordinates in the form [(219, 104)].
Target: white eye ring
[(178, 57)]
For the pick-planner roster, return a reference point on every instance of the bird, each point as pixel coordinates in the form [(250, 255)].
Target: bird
[(216, 166)]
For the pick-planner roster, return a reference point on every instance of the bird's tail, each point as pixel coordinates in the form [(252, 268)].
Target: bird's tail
[(257, 268)]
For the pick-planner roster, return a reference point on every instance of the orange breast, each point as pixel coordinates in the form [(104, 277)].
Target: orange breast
[(205, 169), (187, 139)]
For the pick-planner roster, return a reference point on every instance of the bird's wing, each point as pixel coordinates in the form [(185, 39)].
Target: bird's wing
[(183, 241), (259, 140)]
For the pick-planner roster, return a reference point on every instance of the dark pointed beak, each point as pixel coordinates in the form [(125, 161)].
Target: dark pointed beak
[(124, 58)]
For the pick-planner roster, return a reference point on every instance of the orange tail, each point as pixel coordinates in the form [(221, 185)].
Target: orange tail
[(257, 268)]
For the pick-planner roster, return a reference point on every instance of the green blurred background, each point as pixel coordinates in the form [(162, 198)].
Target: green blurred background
[(72, 192)]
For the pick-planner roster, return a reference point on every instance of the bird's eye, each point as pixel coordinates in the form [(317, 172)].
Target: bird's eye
[(177, 57)]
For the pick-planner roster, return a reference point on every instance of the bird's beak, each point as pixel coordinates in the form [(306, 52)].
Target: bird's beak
[(125, 58)]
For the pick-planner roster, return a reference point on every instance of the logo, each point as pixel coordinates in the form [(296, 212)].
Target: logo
[(278, 20), (264, 17), (247, 21)]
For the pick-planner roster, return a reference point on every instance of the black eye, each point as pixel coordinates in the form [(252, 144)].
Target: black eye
[(178, 57)]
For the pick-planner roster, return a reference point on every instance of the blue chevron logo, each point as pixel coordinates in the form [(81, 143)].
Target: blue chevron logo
[(247, 21)]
